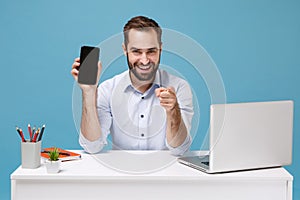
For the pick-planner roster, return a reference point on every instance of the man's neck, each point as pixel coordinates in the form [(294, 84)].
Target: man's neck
[(141, 86)]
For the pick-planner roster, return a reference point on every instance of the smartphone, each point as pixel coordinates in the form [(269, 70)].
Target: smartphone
[(88, 69)]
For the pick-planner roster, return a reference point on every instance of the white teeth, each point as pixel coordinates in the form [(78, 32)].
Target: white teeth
[(144, 67)]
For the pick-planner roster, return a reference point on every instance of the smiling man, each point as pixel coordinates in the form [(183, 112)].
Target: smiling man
[(143, 108)]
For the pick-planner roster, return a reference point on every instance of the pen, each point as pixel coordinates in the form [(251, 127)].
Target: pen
[(21, 134), (41, 134), (29, 131), (61, 153)]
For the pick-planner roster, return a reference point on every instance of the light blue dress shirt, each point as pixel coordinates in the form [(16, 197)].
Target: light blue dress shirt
[(135, 120)]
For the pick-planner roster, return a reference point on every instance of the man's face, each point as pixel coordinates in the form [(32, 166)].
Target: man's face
[(143, 54)]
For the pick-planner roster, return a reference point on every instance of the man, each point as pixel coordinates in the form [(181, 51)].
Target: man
[(143, 108)]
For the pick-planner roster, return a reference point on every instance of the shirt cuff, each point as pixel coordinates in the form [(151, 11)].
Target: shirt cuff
[(184, 147), (91, 146)]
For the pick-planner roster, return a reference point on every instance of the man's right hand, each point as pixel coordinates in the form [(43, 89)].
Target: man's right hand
[(75, 71)]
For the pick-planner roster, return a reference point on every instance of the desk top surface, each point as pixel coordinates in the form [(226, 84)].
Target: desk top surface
[(135, 165)]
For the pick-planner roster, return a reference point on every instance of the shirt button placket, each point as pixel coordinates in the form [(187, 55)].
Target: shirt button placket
[(142, 134), (142, 118)]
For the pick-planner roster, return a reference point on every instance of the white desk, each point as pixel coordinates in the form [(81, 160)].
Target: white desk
[(91, 178)]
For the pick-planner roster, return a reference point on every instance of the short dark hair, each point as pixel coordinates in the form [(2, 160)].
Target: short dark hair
[(141, 23)]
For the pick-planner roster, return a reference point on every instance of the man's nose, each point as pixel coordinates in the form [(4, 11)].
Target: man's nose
[(144, 58)]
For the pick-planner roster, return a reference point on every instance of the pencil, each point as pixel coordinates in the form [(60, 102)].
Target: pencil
[(21, 134), (29, 131), (35, 135), (33, 132)]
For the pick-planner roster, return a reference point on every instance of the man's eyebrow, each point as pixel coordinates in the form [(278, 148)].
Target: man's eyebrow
[(151, 48), (134, 48)]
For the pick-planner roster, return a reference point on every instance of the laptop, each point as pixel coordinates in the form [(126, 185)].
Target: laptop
[(247, 136)]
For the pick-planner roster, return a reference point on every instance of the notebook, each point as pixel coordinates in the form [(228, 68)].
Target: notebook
[(64, 155), (247, 136)]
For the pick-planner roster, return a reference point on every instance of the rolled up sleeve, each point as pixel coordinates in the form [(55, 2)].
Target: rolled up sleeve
[(92, 146), (180, 150)]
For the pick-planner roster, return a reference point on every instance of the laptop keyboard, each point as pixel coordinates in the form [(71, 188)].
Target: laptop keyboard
[(205, 160), (205, 163)]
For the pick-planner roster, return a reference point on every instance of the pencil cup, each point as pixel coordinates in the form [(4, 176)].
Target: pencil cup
[(31, 154)]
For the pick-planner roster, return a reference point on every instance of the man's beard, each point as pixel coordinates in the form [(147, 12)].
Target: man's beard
[(144, 77)]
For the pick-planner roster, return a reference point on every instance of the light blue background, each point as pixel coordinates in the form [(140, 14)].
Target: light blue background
[(255, 45)]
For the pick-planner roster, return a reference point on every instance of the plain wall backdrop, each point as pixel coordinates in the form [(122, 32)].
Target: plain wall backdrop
[(255, 45)]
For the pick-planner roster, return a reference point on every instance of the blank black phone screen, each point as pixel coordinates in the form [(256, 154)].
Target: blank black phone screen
[(88, 68)]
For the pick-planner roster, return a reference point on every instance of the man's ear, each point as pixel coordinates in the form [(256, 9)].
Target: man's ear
[(124, 49)]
